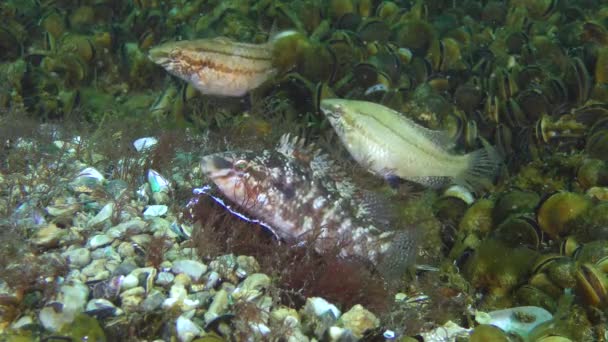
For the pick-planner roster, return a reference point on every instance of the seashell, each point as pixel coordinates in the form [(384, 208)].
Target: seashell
[(559, 211), (592, 285), (569, 247), (373, 29), (518, 230), (338, 8), (546, 285), (541, 9), (349, 21), (533, 103), (10, 41), (53, 22), (157, 182), (80, 45), (578, 81), (593, 172), (145, 143), (514, 202), (531, 295), (416, 35)]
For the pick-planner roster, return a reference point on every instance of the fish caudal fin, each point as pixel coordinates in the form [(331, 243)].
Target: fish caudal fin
[(483, 165), (400, 256)]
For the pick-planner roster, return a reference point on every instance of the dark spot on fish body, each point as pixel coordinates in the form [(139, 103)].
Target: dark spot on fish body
[(221, 163)]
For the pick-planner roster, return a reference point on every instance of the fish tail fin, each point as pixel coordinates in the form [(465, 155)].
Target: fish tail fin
[(483, 165), (400, 257)]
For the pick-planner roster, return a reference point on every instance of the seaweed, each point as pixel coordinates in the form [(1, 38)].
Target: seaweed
[(298, 272)]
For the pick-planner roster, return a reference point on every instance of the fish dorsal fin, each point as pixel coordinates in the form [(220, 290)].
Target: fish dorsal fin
[(295, 147), (439, 138)]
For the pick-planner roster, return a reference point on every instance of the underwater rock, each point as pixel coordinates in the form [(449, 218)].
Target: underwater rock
[(143, 144), (102, 216), (99, 240), (194, 269), (252, 287), (186, 329), (519, 320), (358, 320), (155, 211), (71, 301), (78, 257)]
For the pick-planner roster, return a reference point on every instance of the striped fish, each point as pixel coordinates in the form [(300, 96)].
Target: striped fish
[(298, 193), (396, 148), (217, 66)]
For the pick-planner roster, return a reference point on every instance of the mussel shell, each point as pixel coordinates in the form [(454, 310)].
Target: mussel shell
[(518, 231), (515, 202), (531, 295), (468, 97), (545, 284), (533, 103), (371, 30), (597, 145), (578, 81), (591, 285), (349, 21), (558, 212), (570, 247), (365, 74)]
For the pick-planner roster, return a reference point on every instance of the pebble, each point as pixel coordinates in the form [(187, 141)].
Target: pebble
[(164, 278), (218, 306), (48, 236), (192, 268), (72, 299), (155, 211), (252, 287), (146, 143), (358, 320), (125, 250), (153, 301), (103, 304), (102, 216), (78, 257), (100, 240), (135, 226), (95, 267), (129, 282), (186, 329)]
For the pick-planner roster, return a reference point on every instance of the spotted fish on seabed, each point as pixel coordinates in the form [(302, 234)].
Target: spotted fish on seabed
[(297, 192), (394, 147), (217, 66)]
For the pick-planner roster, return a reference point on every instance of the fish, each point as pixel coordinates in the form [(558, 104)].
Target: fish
[(299, 193), (217, 66), (394, 147)]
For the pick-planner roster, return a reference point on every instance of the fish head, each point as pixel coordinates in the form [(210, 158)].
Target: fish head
[(335, 111), (174, 57), (251, 180)]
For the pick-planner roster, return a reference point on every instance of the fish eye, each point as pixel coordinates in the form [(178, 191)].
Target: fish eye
[(240, 164)]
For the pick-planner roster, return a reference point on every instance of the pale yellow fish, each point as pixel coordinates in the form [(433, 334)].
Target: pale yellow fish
[(217, 66), (395, 147)]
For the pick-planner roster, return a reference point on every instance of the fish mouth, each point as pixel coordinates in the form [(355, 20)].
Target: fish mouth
[(331, 108), (159, 55)]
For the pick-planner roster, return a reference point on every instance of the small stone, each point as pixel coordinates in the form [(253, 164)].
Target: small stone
[(155, 210), (95, 267), (146, 143), (100, 241), (141, 239), (130, 299), (247, 264), (22, 322), (129, 282), (125, 268), (164, 278), (102, 304), (48, 236), (212, 280), (182, 279), (134, 226), (192, 268), (252, 287), (153, 301), (358, 320), (77, 258), (126, 250), (186, 329), (218, 306), (104, 215)]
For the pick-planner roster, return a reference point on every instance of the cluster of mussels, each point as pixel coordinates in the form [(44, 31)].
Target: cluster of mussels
[(530, 76)]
